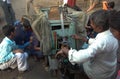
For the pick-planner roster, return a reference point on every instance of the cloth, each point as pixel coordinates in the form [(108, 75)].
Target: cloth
[(9, 64), (42, 31), (100, 58), (71, 3), (22, 61), (78, 18)]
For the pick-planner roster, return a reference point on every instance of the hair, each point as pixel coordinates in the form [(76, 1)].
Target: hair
[(7, 29), (26, 22), (111, 4), (115, 21), (101, 19)]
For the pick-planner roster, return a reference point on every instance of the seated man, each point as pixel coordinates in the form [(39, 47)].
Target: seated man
[(10, 56)]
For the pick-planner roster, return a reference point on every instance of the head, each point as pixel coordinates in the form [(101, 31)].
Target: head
[(65, 44), (111, 5), (115, 25), (26, 23), (9, 31), (99, 21)]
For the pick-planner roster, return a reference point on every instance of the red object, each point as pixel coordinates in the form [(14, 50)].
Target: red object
[(71, 3)]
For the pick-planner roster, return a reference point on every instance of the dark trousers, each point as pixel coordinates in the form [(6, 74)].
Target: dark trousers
[(8, 11)]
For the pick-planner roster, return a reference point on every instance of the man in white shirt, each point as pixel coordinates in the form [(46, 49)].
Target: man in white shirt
[(99, 59), (8, 11)]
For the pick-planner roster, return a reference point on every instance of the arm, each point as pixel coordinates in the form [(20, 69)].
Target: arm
[(85, 39), (24, 45), (83, 55), (91, 7)]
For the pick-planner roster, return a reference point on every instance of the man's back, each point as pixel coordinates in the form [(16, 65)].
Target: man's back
[(103, 64)]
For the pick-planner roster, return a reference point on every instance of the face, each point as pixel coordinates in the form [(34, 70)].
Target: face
[(13, 34), (115, 33), (95, 28)]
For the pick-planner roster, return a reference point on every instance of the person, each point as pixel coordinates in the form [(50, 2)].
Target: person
[(115, 29), (8, 11), (34, 48), (10, 56), (111, 5), (114, 25), (99, 59), (21, 39)]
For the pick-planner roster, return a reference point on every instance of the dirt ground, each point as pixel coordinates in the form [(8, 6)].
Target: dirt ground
[(37, 70)]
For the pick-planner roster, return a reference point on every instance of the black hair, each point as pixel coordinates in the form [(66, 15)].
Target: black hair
[(26, 23), (101, 19), (115, 21), (111, 4), (7, 29)]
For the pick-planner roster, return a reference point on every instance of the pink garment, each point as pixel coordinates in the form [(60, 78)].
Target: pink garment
[(118, 76)]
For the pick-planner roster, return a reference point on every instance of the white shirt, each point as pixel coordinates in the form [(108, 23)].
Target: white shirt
[(8, 1), (100, 56)]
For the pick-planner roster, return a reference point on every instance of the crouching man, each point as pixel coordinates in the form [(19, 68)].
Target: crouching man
[(10, 56)]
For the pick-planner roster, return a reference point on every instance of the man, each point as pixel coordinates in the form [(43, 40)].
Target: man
[(115, 29), (99, 59), (8, 11), (10, 56), (115, 25)]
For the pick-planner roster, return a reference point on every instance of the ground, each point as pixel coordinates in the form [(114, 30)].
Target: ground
[(37, 69)]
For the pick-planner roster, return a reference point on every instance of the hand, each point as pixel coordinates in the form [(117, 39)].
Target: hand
[(31, 39), (18, 51), (59, 53), (75, 36), (79, 37)]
